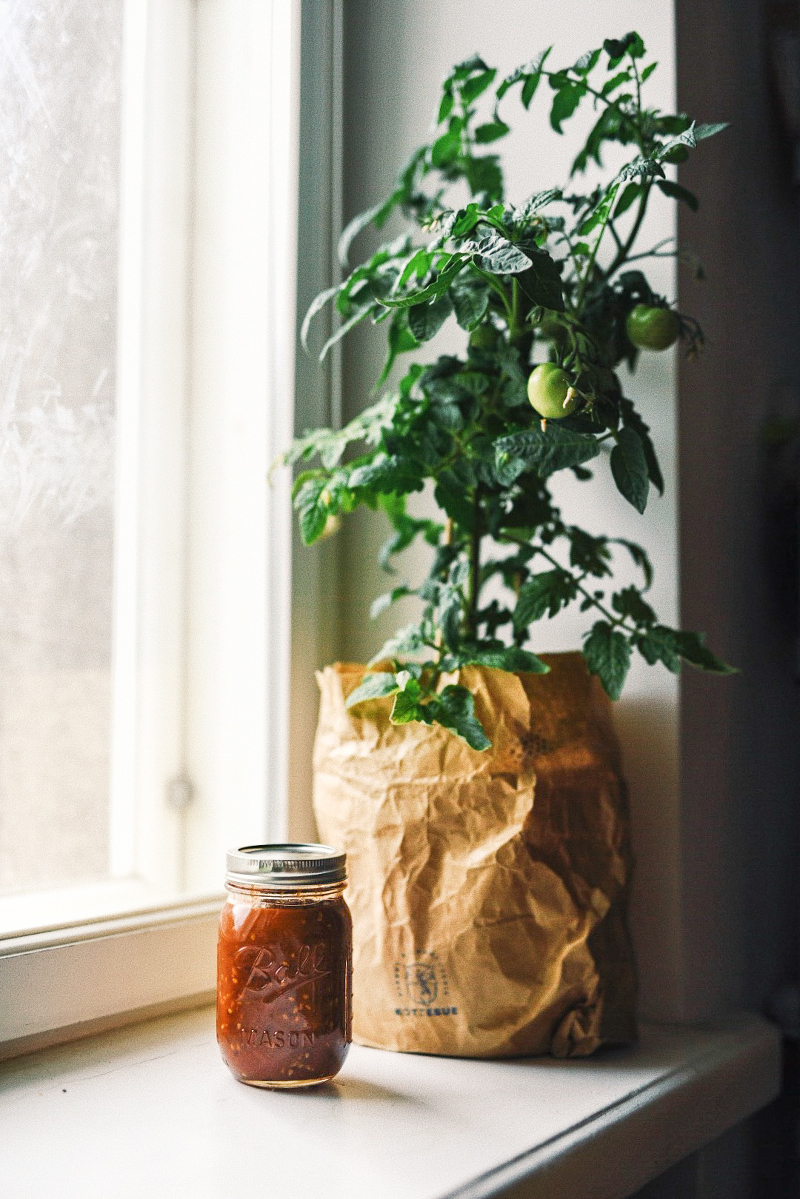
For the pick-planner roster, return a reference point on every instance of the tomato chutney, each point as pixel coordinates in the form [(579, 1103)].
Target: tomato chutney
[(284, 963)]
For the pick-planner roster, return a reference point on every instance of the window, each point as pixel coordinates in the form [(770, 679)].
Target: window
[(166, 396)]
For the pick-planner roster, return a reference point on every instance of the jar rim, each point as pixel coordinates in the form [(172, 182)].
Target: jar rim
[(286, 864)]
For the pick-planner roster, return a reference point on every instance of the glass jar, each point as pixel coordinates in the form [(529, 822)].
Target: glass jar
[(284, 962)]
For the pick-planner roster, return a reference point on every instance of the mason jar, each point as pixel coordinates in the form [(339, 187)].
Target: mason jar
[(284, 963)]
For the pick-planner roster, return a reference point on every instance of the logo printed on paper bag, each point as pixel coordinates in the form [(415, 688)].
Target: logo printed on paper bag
[(421, 983)]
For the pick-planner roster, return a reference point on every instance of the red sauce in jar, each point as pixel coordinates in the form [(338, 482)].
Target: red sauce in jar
[(284, 982)]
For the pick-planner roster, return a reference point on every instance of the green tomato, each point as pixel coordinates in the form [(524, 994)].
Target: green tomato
[(550, 393), (652, 328)]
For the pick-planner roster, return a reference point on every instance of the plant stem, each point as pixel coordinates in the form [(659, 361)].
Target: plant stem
[(474, 583), (514, 329), (616, 621), (622, 252)]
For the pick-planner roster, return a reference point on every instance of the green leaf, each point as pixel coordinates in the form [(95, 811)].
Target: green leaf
[(642, 168), (629, 468), (703, 131), (628, 602), (630, 194), (512, 658), (691, 647), (614, 82), (408, 640), (540, 200), (425, 320), (465, 221), (542, 451), (530, 74), (491, 132), (648, 71), (433, 290), (484, 176), (317, 303), (676, 192), (339, 333), (407, 706), (446, 104), (477, 85), (632, 420), (382, 602), (529, 89), (565, 101), (608, 655), (587, 62), (373, 686), (446, 149), (451, 495), (617, 48), (401, 340), (659, 645), (542, 280), (590, 554), (455, 709), (547, 592), (389, 473), (496, 254), (311, 503), (469, 296), (376, 215), (639, 557)]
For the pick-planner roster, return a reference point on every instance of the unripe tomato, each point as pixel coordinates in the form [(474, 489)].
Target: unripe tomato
[(550, 393), (652, 328)]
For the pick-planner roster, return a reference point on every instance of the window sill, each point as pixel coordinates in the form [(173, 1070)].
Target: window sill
[(66, 981), (152, 1110)]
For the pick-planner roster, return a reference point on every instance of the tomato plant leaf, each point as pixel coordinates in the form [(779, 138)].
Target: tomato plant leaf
[(692, 648), (312, 507), (373, 686), (511, 658), (703, 131), (425, 320), (608, 655), (547, 592), (659, 644), (629, 468), (676, 192), (497, 254), (455, 709), (491, 132), (542, 451), (469, 296)]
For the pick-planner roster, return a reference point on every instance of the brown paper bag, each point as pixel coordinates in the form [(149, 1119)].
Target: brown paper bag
[(488, 890)]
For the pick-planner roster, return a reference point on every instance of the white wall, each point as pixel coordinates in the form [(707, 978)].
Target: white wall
[(395, 57)]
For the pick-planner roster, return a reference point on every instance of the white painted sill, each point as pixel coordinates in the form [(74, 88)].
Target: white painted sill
[(151, 1110)]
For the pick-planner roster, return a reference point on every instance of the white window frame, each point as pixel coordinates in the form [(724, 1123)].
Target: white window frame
[(206, 637)]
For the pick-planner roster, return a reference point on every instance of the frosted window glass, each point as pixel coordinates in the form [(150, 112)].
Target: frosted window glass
[(59, 147)]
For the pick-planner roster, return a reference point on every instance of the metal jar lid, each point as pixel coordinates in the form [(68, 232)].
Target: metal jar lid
[(290, 865)]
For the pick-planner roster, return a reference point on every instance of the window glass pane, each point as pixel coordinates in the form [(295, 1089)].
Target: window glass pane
[(60, 67)]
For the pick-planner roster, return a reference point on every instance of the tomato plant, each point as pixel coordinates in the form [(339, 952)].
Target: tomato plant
[(555, 273)]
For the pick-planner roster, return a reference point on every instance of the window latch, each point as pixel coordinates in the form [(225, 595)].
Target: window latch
[(180, 793)]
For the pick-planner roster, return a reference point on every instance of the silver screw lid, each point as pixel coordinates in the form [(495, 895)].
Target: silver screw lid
[(286, 865)]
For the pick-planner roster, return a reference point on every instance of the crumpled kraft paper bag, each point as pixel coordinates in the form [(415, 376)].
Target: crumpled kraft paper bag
[(488, 890)]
